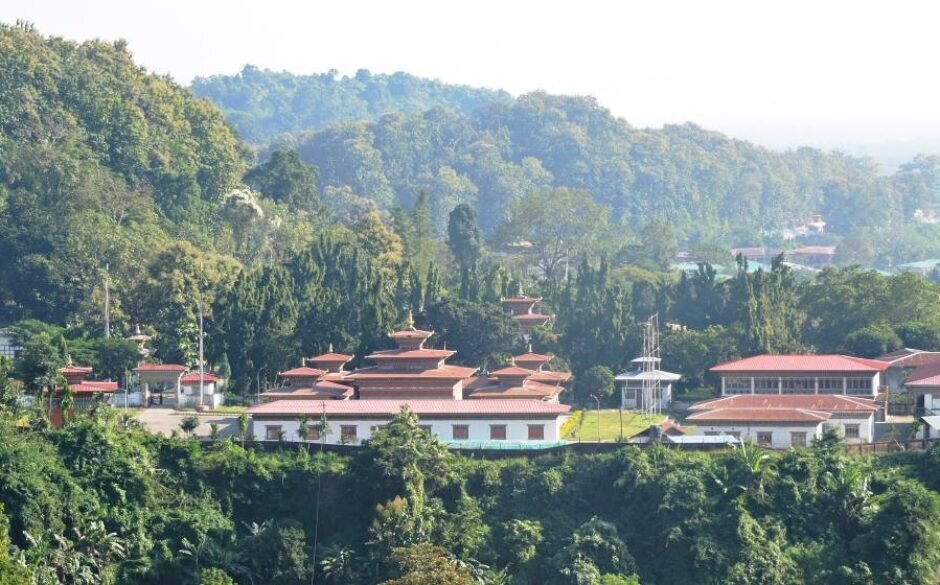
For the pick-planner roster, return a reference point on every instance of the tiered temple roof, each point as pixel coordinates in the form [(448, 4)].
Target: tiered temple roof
[(524, 379), (411, 371), (306, 383), (521, 309), (75, 378)]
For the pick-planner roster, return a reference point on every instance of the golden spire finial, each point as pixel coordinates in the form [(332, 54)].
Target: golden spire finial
[(303, 362), (410, 321), (331, 347), (530, 347), (68, 360)]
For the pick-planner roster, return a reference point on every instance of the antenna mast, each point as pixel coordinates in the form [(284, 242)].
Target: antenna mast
[(107, 303), (652, 391)]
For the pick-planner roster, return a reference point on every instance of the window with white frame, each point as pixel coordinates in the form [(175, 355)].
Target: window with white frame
[(735, 385), (798, 385), (830, 385), (765, 438), (798, 439), (858, 385), (766, 385), (272, 432)]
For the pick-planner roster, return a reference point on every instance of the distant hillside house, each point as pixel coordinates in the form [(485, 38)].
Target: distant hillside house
[(813, 256), (756, 254), (782, 421), (923, 267), (801, 374), (923, 387)]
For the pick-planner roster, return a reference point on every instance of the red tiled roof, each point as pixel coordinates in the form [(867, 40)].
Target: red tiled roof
[(411, 334), (802, 363), (529, 389), (531, 358), (797, 415), (513, 372), (907, 358), (442, 407), (925, 375), (302, 372), (160, 368), (325, 390), (550, 377), (74, 370), (94, 386), (446, 372), (820, 402), (814, 250), (532, 317), (193, 378), (406, 354), (331, 357)]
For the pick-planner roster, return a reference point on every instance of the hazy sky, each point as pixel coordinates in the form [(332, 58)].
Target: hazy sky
[(822, 72)]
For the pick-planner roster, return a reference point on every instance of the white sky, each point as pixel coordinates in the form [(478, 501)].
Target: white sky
[(821, 72)]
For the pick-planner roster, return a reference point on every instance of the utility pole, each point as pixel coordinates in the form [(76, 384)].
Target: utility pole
[(107, 303), (201, 366)]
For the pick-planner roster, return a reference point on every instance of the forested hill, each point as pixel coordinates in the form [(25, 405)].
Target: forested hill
[(100, 163), (261, 104), (489, 153)]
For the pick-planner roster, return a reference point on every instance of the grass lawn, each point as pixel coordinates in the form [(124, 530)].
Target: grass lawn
[(586, 429)]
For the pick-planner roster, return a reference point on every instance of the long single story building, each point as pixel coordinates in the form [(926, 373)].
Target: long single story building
[(782, 421), (801, 374), (353, 421)]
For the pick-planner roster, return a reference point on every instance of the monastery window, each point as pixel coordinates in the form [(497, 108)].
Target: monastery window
[(348, 433), (272, 432), (536, 432), (461, 432), (498, 432), (798, 439), (851, 431), (766, 385), (765, 438), (737, 385), (313, 432), (798, 385), (858, 385), (830, 385)]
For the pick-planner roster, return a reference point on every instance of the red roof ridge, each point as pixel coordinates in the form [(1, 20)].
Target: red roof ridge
[(801, 363)]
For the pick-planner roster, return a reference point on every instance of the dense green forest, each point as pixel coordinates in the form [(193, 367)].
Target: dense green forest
[(264, 104), (711, 188), (405, 510)]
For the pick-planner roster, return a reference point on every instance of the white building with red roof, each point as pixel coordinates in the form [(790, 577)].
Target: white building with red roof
[(923, 387), (211, 395), (352, 421), (801, 374), (84, 392), (786, 420)]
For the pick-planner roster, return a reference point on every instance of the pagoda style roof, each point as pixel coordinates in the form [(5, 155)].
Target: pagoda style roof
[(531, 357), (408, 354), (513, 372), (550, 377), (528, 389), (317, 391), (302, 372), (193, 378), (444, 372), (160, 368), (522, 300), (331, 357), (532, 317), (74, 370), (94, 387), (411, 333)]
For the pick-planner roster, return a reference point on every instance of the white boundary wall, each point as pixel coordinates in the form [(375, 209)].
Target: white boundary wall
[(517, 430)]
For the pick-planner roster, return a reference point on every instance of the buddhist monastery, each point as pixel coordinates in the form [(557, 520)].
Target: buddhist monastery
[(522, 400), (84, 391)]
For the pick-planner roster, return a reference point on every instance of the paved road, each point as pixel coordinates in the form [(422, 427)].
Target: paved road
[(164, 421)]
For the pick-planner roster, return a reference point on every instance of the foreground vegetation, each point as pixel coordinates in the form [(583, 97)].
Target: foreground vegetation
[(95, 502)]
